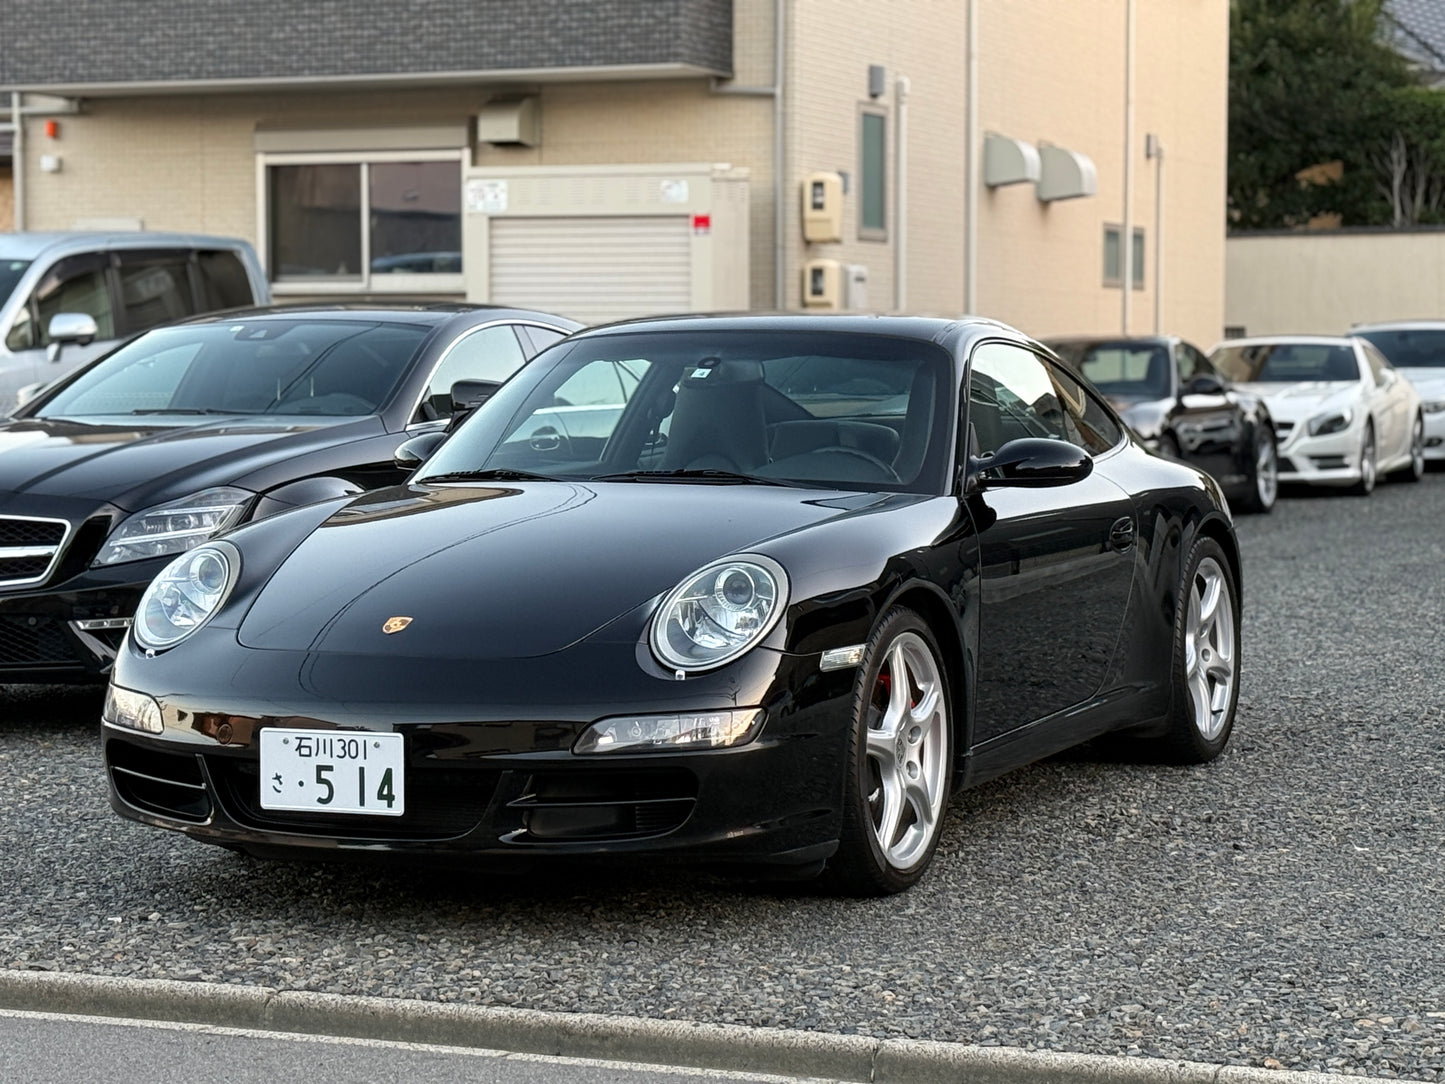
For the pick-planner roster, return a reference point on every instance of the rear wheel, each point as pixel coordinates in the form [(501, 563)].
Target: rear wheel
[(1264, 480), (900, 760), (1368, 471)]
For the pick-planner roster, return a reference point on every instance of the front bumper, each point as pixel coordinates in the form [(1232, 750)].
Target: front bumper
[(1329, 460), (496, 778)]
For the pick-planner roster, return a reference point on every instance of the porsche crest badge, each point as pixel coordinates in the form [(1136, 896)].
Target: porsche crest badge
[(395, 624)]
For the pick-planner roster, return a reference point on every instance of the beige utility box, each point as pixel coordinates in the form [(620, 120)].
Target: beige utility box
[(822, 208), (600, 243), (823, 285)]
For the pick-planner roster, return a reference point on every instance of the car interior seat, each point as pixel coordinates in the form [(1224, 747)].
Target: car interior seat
[(718, 421), (917, 426)]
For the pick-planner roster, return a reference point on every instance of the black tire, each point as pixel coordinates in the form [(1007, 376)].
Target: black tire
[(862, 866), (1416, 468), (1169, 448), (1187, 740), (1369, 474), (1263, 488)]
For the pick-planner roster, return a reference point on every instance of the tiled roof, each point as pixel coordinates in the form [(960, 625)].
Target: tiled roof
[(97, 43), (1417, 29)]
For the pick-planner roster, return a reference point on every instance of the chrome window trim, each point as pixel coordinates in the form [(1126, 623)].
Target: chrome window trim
[(507, 322), (35, 551)]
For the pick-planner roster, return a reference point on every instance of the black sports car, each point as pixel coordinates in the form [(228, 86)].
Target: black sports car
[(745, 590), (190, 429), (1182, 407)]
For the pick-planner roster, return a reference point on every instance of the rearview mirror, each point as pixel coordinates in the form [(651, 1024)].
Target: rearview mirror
[(1031, 462), (1204, 384), (413, 453), (69, 327)]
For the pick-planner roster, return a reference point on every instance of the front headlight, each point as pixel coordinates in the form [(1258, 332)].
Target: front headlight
[(1336, 421), (186, 595), (176, 526), (1434, 406), (719, 612)]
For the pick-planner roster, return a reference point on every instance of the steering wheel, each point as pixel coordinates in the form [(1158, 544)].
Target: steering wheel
[(857, 453)]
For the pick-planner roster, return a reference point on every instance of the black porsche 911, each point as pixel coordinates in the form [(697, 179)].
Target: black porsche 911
[(750, 591), (1184, 408), (190, 429)]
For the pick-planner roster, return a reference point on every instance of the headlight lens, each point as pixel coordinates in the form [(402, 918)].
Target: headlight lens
[(132, 710), (1434, 406), (1336, 421), (185, 595), (670, 733), (175, 527), (719, 612)]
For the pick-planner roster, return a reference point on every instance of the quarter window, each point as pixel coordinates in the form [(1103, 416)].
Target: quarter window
[(489, 353)]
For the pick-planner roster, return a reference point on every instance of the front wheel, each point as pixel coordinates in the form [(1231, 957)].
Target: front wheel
[(900, 759), (1264, 479), (1366, 485)]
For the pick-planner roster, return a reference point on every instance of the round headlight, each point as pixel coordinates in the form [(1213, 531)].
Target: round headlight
[(719, 612), (185, 595)]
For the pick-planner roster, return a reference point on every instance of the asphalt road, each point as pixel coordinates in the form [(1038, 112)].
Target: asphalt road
[(1282, 906)]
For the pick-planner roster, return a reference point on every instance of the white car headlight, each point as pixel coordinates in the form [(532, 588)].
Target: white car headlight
[(1433, 406), (176, 526), (185, 595), (719, 612), (1336, 421)]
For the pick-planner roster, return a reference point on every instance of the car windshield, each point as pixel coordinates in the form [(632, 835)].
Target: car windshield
[(1419, 348), (276, 366), (827, 409), (1286, 363), (10, 272), (1132, 370)]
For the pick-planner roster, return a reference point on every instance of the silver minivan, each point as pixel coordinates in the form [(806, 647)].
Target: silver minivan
[(122, 282)]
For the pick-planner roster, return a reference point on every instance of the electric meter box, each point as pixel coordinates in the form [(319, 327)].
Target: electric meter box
[(822, 208), (823, 285)]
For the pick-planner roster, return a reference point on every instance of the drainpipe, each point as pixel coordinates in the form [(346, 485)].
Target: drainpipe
[(1127, 240), (1155, 150), (18, 160), (970, 167), (900, 200), (775, 92)]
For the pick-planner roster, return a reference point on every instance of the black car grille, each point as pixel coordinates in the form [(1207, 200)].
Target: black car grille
[(578, 806), (27, 641), (440, 804), (169, 784), (28, 548)]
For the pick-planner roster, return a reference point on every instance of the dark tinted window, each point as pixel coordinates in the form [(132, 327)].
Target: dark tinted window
[(315, 221), (1415, 349), (154, 288), (10, 272), (1135, 369), (79, 284), (416, 217), (335, 368), (224, 284), (1286, 362)]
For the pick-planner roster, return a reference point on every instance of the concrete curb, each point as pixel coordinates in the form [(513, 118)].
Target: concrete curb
[(612, 1038)]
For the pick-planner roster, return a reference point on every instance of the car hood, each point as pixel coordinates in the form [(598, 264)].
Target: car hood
[(1302, 401), (513, 570), (134, 465), (1429, 382)]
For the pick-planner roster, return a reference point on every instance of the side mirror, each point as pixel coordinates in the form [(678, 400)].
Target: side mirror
[(1031, 462), (1204, 384), (470, 394), (413, 453), (70, 327)]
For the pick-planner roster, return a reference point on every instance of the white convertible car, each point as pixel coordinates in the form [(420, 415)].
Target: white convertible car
[(1342, 414), (1416, 348)]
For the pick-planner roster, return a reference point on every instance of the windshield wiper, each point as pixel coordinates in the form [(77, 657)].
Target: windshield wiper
[(500, 474), (705, 474), (187, 410)]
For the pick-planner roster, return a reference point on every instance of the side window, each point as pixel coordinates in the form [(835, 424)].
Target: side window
[(489, 353), (609, 383), (224, 284), (539, 337), (75, 285), (1192, 362), (154, 287), (1086, 422), (1011, 395)]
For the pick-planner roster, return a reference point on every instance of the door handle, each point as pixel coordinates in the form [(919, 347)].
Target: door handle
[(1121, 534)]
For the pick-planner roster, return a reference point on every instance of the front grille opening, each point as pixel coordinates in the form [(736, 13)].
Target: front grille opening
[(27, 640), (166, 783), (1329, 462), (569, 807), (440, 804)]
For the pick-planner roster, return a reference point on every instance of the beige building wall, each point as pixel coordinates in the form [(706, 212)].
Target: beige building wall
[(1324, 282), (7, 200)]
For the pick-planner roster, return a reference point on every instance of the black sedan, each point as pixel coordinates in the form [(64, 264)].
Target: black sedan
[(188, 430), (751, 591), (1181, 406)]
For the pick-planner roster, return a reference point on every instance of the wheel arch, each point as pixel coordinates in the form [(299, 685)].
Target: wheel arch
[(1217, 528)]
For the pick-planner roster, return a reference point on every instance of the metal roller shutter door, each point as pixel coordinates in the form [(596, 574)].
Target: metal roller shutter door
[(593, 269)]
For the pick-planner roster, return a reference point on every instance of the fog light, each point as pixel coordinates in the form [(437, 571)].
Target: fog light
[(670, 733), (132, 711)]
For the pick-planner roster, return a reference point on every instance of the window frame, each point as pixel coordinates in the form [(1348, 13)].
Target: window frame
[(395, 282)]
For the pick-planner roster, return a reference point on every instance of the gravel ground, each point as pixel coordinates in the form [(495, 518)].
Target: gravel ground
[(1284, 906)]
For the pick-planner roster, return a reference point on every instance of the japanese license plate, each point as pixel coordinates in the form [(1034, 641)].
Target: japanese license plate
[(333, 771)]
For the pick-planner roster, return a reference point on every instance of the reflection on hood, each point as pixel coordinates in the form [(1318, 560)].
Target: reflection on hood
[(1301, 401)]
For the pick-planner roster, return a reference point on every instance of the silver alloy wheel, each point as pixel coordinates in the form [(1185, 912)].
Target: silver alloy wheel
[(1266, 473), (1210, 658), (1417, 448), (1367, 461), (906, 748)]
